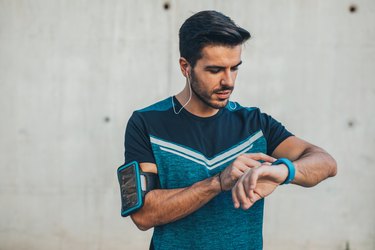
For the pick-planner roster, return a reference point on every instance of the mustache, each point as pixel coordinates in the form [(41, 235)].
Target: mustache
[(223, 89)]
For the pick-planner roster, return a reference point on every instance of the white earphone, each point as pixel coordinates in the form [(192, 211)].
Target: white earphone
[(190, 94)]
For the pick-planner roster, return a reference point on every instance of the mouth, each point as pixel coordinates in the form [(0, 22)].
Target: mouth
[(225, 94)]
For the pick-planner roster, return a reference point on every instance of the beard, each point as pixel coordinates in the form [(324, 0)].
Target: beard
[(205, 96)]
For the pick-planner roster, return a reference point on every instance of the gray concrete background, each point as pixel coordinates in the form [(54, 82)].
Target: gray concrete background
[(71, 73)]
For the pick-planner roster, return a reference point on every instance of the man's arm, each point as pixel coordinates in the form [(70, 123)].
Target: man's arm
[(312, 165), (163, 206)]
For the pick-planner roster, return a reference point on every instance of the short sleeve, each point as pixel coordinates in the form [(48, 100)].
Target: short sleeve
[(137, 141), (273, 131)]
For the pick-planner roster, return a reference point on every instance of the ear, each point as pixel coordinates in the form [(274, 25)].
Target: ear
[(184, 66)]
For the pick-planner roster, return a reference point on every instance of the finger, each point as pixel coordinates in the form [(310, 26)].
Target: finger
[(241, 165), (260, 156), (245, 180), (241, 195), (246, 183), (253, 178), (236, 203), (228, 177), (249, 163), (236, 173), (237, 194), (257, 197)]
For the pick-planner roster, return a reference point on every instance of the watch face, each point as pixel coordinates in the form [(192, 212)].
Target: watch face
[(129, 185)]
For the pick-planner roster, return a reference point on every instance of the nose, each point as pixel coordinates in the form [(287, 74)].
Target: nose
[(228, 79)]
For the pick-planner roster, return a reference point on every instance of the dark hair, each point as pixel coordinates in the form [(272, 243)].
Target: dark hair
[(208, 28)]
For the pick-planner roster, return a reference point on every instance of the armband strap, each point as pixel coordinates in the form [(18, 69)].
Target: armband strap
[(291, 169), (152, 182)]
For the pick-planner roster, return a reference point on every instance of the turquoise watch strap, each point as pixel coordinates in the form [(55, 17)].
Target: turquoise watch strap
[(291, 169)]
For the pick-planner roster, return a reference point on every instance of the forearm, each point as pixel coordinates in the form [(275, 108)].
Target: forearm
[(163, 206), (313, 166)]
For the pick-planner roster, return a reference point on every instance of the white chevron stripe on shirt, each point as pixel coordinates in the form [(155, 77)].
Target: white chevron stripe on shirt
[(200, 158)]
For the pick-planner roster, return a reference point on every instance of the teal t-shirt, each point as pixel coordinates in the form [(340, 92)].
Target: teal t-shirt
[(187, 149)]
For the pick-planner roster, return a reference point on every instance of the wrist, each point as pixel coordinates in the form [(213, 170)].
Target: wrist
[(221, 185), (208, 187), (218, 179), (282, 172), (290, 168), (211, 185)]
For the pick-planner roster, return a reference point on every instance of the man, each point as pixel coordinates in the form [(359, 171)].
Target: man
[(214, 157)]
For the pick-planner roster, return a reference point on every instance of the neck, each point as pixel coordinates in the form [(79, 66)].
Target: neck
[(195, 105)]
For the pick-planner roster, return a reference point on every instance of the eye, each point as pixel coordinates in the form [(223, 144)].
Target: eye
[(234, 68), (214, 70)]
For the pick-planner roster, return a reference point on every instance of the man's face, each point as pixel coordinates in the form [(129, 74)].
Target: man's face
[(212, 79)]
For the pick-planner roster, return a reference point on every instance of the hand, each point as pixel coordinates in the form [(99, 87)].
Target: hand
[(239, 166), (257, 183)]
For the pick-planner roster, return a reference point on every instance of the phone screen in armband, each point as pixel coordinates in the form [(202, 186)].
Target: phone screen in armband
[(130, 187)]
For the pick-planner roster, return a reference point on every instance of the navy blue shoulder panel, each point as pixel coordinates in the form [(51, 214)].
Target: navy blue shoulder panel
[(159, 106)]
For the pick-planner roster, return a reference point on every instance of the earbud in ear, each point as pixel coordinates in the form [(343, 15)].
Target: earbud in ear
[(187, 71)]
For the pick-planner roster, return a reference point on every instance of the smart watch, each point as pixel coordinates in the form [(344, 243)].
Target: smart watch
[(291, 169)]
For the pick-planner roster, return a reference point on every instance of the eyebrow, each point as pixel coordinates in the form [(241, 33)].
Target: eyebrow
[(220, 67)]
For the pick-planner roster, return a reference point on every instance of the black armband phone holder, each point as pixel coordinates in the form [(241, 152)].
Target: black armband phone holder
[(134, 185)]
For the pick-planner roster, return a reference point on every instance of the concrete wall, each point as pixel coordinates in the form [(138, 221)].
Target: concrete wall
[(71, 73)]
